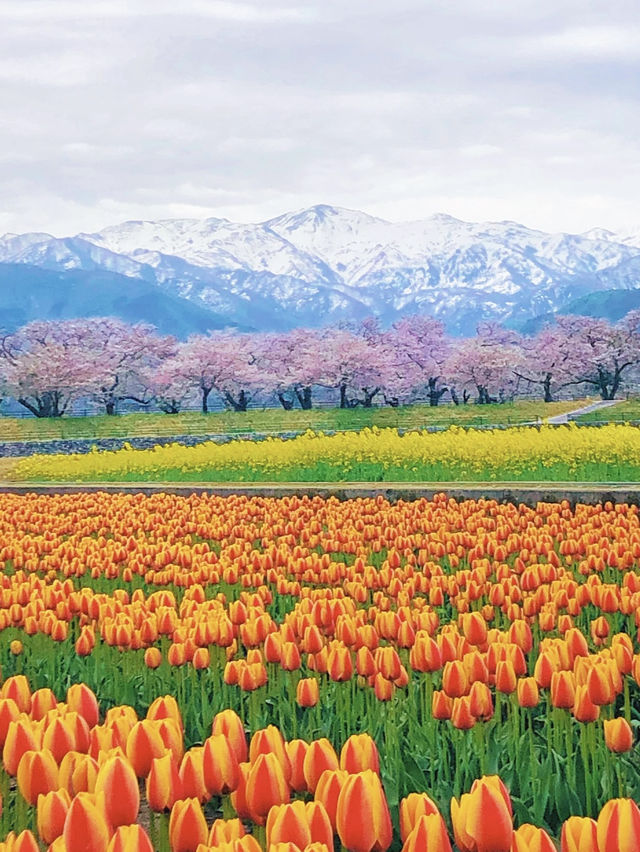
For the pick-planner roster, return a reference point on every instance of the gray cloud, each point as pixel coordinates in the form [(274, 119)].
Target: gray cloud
[(480, 108)]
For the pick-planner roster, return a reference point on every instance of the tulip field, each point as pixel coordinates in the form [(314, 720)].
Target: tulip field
[(305, 674)]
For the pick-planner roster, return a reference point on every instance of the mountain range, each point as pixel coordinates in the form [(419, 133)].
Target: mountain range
[(318, 266)]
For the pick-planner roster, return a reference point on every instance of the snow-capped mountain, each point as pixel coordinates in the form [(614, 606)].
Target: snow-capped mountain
[(327, 264)]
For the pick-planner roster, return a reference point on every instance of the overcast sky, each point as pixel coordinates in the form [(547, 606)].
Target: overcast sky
[(484, 109)]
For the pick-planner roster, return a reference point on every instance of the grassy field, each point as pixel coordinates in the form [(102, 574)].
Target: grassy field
[(277, 420), (622, 412)]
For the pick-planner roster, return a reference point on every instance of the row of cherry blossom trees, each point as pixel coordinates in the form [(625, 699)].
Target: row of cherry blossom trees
[(47, 366)]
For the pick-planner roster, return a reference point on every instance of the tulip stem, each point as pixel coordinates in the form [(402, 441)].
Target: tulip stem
[(627, 701), (584, 754)]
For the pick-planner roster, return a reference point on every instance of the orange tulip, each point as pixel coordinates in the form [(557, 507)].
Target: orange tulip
[(414, 806), (563, 689), (163, 785), (130, 838), (9, 712), (482, 819), (17, 687), (78, 773), (42, 701), (307, 692), (201, 659), (228, 722), (320, 756), (328, 791), (85, 827), (320, 825), (618, 826), (59, 737), (618, 735), (37, 773), (461, 715), (21, 737), (220, 765), (117, 780), (187, 826), (52, 812), (528, 692), (362, 815), (166, 707), (528, 838), (579, 834), (441, 705), (144, 744), (83, 701), (429, 835), (359, 753), (584, 709), (455, 682), (266, 786), (506, 679), (296, 752), (225, 831), (153, 658), (339, 663), (288, 824), (192, 775), (269, 740), (25, 842)]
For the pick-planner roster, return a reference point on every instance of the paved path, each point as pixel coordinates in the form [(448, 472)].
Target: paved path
[(558, 419), (528, 493)]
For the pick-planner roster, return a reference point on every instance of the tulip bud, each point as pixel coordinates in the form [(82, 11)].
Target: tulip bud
[(85, 826), (320, 756), (359, 753), (117, 780), (220, 765), (144, 744), (225, 831), (82, 700), (228, 722), (130, 838), (528, 837), (296, 752), (288, 824), (17, 687), (429, 835), (21, 737), (414, 806), (52, 812), (187, 826), (25, 842), (618, 735), (37, 774), (163, 786), (363, 794), (266, 786), (307, 692), (579, 834), (192, 776)]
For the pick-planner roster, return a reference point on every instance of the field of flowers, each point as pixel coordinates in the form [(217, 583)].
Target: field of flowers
[(610, 453), (240, 674)]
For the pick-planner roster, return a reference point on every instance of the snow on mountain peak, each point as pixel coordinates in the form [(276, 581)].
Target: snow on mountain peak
[(324, 263)]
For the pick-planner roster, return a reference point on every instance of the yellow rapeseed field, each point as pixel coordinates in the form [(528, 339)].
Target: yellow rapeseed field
[(609, 453)]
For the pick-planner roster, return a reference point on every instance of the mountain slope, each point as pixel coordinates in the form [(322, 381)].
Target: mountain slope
[(325, 264), (30, 292)]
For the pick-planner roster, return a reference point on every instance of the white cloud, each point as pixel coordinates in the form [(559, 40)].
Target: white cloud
[(483, 108)]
